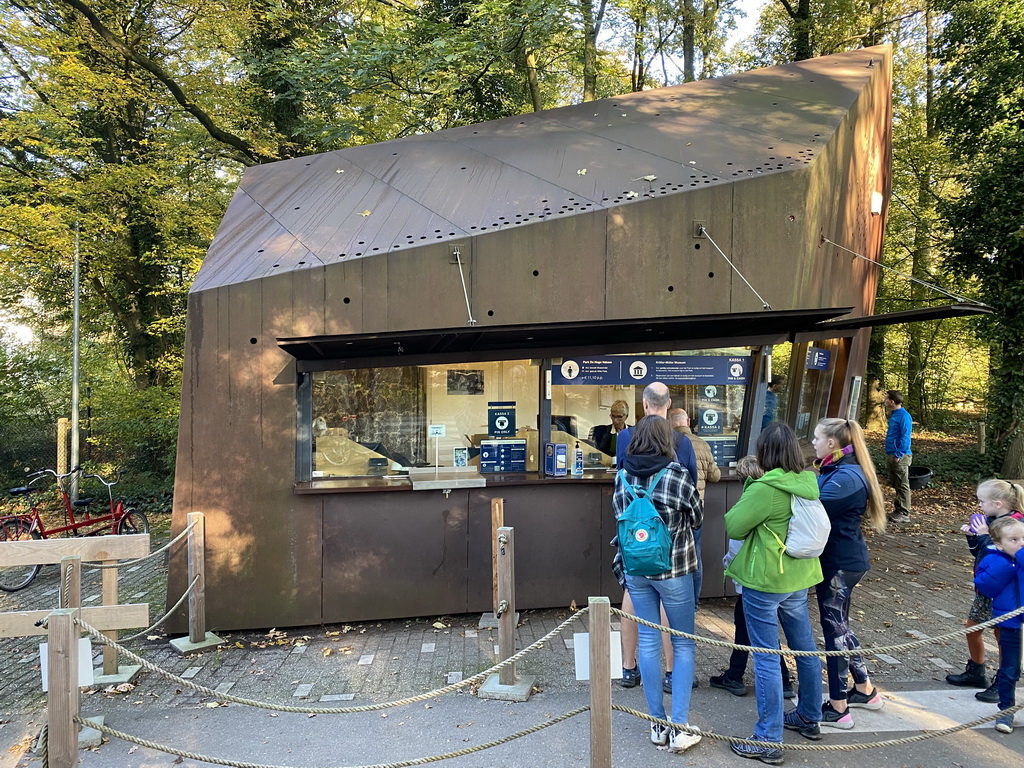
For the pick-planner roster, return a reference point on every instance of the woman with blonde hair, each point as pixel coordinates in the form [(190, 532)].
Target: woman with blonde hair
[(849, 492)]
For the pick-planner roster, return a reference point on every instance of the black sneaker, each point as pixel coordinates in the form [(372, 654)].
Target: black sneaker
[(794, 721), (872, 700), (769, 755), (833, 719), (666, 684), (735, 687), (630, 677), (990, 695), (787, 691)]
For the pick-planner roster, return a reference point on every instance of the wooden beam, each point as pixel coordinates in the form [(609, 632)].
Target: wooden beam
[(110, 598), (62, 703), (89, 548), (106, 617)]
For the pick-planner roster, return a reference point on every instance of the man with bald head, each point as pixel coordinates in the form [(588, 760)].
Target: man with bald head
[(657, 399)]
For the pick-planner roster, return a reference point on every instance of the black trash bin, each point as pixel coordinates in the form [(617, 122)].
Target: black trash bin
[(919, 478)]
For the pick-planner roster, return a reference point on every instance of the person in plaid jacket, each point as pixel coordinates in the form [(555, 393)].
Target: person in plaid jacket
[(652, 449)]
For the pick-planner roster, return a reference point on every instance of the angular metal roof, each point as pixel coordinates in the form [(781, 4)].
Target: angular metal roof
[(523, 170)]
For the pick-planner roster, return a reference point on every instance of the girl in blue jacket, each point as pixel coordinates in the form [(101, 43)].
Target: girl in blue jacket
[(849, 491), (1000, 576)]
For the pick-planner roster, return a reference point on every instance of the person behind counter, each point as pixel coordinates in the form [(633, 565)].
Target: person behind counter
[(652, 457), (605, 436), (707, 468)]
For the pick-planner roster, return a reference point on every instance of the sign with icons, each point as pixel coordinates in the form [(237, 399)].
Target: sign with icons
[(643, 369), (818, 359), (501, 419)]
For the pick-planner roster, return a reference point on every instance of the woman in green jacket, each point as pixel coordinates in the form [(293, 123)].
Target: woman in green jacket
[(775, 589)]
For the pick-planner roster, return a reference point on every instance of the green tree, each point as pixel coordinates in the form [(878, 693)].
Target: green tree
[(981, 115)]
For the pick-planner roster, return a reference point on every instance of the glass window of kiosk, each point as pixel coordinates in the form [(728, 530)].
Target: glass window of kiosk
[(589, 394), (814, 364), (374, 421)]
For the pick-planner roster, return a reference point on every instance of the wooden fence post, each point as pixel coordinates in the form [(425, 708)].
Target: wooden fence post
[(600, 683), (110, 598), (62, 703), (507, 601), (497, 521), (70, 582), (197, 572)]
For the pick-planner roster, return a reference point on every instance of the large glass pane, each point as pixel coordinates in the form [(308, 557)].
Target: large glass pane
[(373, 421), (815, 384), (710, 385)]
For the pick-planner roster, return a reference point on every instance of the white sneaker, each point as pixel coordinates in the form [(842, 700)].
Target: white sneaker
[(659, 734), (681, 741)]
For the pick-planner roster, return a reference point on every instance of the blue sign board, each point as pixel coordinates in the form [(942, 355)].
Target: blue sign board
[(501, 419), (502, 455), (644, 369), (818, 359)]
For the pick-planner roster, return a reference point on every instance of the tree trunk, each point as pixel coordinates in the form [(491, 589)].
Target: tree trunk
[(802, 31), (531, 78), (917, 396), (591, 30), (874, 412), (689, 33), (1013, 462)]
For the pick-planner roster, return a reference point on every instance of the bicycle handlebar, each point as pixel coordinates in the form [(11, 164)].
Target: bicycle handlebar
[(107, 483)]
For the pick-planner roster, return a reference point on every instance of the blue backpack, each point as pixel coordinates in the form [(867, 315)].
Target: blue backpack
[(644, 539)]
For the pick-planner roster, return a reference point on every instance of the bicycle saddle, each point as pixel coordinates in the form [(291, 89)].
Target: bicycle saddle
[(19, 490), (81, 503)]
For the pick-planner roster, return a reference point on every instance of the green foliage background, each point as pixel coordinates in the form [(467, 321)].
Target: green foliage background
[(130, 125)]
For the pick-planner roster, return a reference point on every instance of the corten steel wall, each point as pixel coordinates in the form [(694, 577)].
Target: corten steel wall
[(277, 558)]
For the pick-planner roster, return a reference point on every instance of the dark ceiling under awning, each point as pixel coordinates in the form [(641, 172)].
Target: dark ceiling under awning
[(962, 309), (475, 343)]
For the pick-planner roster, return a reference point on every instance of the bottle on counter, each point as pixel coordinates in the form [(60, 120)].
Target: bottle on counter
[(577, 461)]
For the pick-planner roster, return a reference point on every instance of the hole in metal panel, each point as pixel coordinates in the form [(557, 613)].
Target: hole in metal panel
[(253, 339), (711, 274), (346, 300)]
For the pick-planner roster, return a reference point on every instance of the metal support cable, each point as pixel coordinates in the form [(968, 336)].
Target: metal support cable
[(896, 271), (151, 555), (764, 304), (469, 310)]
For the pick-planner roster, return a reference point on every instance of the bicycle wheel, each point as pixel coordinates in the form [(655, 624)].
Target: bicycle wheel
[(133, 521), (15, 577)]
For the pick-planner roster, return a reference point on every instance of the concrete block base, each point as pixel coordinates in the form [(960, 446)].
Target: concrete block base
[(519, 691), (183, 645), (487, 621), (126, 673), (90, 737), (87, 737)]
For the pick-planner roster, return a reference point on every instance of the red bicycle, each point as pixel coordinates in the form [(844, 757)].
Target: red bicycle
[(116, 518)]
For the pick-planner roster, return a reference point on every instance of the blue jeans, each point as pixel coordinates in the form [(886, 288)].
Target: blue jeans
[(764, 612), (698, 575), (677, 596), (1009, 665)]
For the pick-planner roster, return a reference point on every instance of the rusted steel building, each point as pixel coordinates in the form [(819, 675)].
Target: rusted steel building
[(384, 338)]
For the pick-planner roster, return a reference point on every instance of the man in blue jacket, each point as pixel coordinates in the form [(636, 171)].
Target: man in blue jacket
[(897, 454)]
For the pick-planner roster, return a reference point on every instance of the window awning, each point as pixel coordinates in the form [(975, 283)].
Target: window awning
[(603, 337), (828, 328)]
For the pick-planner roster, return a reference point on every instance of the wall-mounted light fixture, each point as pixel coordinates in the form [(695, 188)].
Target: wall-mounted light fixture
[(876, 203)]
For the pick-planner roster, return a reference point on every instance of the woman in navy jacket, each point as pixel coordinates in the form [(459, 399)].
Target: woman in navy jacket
[(849, 490)]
